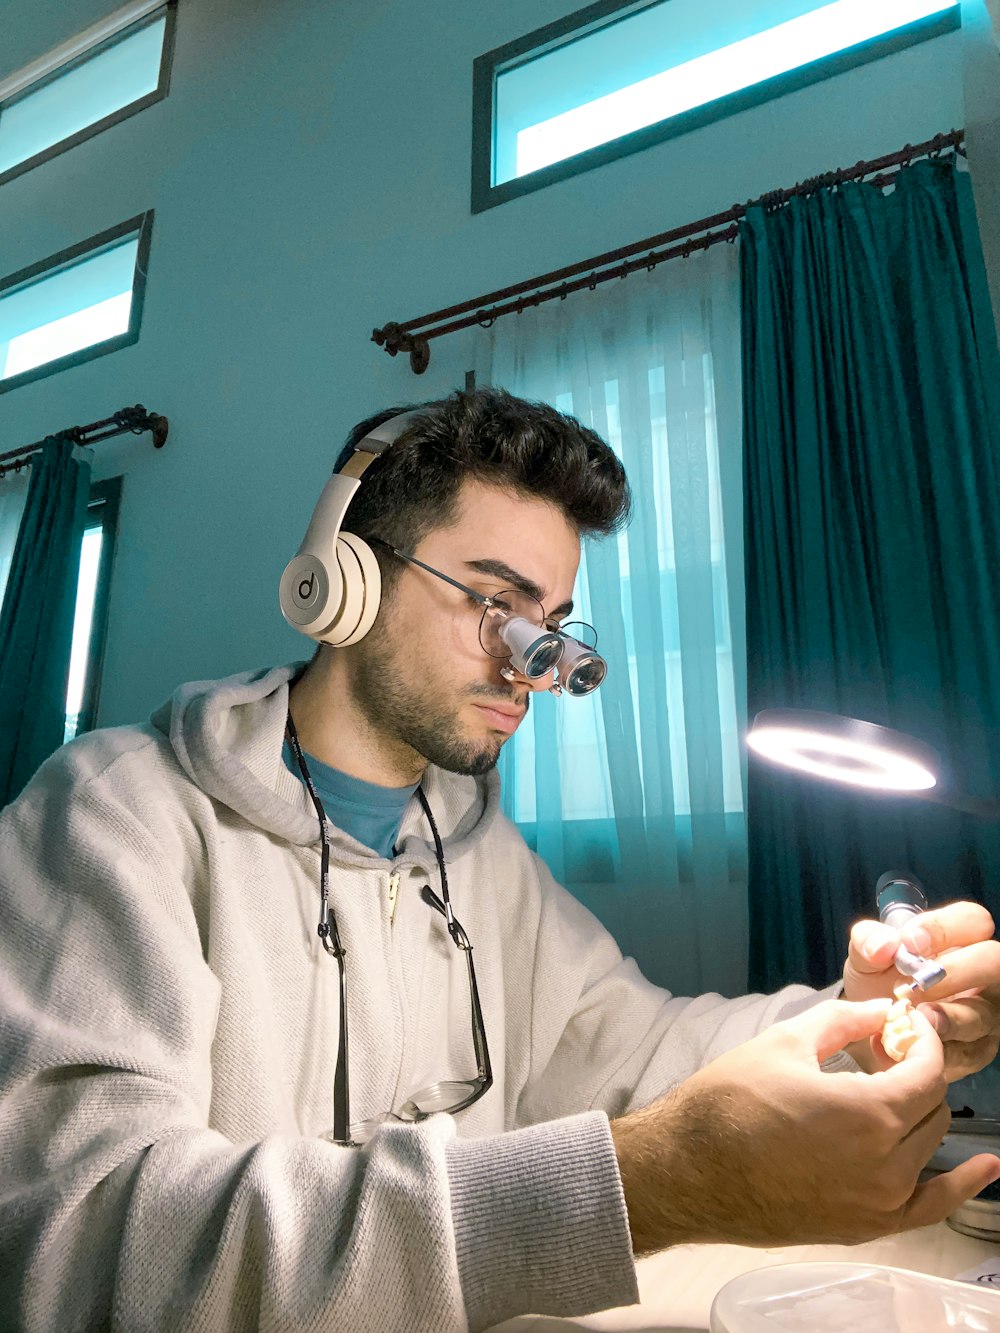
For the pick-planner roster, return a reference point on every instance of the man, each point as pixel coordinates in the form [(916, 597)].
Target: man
[(186, 1068)]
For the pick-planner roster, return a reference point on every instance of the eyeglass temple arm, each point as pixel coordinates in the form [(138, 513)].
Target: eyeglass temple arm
[(483, 1065), (485, 1069), (412, 560)]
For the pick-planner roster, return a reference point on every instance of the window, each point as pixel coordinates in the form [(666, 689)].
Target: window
[(75, 305), (91, 619), (613, 79), (114, 69)]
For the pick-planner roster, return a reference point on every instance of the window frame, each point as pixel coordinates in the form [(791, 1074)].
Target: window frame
[(142, 225), (604, 13), (168, 8), (104, 501)]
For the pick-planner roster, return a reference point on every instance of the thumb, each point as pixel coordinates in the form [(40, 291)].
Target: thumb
[(828, 1027)]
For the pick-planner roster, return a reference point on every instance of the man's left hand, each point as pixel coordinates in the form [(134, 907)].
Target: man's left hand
[(964, 1008)]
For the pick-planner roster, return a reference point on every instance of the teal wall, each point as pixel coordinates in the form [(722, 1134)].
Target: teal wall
[(310, 176)]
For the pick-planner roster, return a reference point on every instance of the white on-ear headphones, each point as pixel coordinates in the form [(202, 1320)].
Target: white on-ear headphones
[(331, 588)]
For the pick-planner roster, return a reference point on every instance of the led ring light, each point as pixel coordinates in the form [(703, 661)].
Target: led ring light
[(844, 749)]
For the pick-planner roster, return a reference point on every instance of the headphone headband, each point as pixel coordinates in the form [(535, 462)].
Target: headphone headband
[(375, 443)]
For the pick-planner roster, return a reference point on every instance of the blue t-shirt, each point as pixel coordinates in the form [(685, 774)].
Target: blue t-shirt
[(370, 813)]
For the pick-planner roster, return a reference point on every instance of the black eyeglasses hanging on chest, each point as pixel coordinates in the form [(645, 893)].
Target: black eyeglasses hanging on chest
[(450, 1095)]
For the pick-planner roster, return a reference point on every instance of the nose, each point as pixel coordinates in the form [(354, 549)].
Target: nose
[(532, 683)]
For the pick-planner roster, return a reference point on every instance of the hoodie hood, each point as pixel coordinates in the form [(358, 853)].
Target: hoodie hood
[(227, 736)]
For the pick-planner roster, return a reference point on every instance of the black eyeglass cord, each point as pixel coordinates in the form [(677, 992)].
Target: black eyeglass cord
[(443, 904), (327, 928), (330, 936)]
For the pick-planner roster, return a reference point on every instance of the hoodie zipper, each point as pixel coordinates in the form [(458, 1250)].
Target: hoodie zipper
[(393, 893)]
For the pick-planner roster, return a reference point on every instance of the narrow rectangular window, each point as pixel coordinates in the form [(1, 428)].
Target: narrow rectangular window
[(111, 71), (91, 618), (75, 305), (613, 79)]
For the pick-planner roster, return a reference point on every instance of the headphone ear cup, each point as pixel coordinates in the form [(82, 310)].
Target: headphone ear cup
[(311, 593), (362, 592)]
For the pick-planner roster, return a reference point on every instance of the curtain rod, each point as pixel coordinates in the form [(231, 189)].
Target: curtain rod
[(414, 335), (135, 419)]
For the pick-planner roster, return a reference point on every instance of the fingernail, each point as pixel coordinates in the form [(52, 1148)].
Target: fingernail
[(918, 939), (877, 939)]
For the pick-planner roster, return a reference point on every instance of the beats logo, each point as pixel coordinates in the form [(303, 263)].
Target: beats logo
[(307, 589)]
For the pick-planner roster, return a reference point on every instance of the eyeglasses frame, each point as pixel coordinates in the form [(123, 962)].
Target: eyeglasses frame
[(484, 600)]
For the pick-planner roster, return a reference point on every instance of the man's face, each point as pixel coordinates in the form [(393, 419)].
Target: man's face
[(423, 678)]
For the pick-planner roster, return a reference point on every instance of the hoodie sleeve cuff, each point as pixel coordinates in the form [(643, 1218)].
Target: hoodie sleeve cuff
[(841, 1063), (540, 1221)]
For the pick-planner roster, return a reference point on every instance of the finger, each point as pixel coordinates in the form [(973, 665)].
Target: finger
[(916, 1085), (964, 1018), (963, 1058), (828, 1027), (935, 1199), (924, 1139), (880, 1059), (950, 927), (972, 967), (872, 947)]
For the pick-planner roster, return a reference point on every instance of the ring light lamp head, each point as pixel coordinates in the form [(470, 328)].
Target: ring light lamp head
[(331, 588), (844, 749)]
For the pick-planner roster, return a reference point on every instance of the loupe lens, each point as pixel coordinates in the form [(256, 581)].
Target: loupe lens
[(544, 655), (584, 675), (581, 669)]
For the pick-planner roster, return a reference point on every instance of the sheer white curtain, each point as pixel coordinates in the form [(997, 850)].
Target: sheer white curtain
[(981, 68), (634, 796), (13, 489)]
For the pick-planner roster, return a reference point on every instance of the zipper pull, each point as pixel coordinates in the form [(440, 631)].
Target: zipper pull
[(393, 892)]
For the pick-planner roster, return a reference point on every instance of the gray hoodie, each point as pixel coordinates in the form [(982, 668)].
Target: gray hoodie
[(168, 1027)]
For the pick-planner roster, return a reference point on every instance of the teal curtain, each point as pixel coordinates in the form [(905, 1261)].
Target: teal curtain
[(634, 796), (36, 620), (871, 381)]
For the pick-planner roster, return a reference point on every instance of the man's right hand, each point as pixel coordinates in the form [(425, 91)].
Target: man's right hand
[(761, 1147)]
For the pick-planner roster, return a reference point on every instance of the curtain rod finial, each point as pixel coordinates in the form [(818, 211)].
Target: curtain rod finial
[(160, 427)]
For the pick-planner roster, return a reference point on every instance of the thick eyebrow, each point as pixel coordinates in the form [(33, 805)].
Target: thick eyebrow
[(498, 569)]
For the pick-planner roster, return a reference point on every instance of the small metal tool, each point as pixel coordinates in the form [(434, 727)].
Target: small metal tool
[(901, 896)]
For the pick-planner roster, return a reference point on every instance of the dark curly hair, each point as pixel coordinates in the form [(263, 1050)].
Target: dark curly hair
[(490, 436)]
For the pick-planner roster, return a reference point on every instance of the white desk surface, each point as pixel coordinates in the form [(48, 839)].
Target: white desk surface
[(677, 1287)]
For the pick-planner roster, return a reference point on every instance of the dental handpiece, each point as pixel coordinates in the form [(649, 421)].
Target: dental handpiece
[(900, 897)]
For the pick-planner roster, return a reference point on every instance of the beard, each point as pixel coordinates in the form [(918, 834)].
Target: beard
[(406, 711)]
